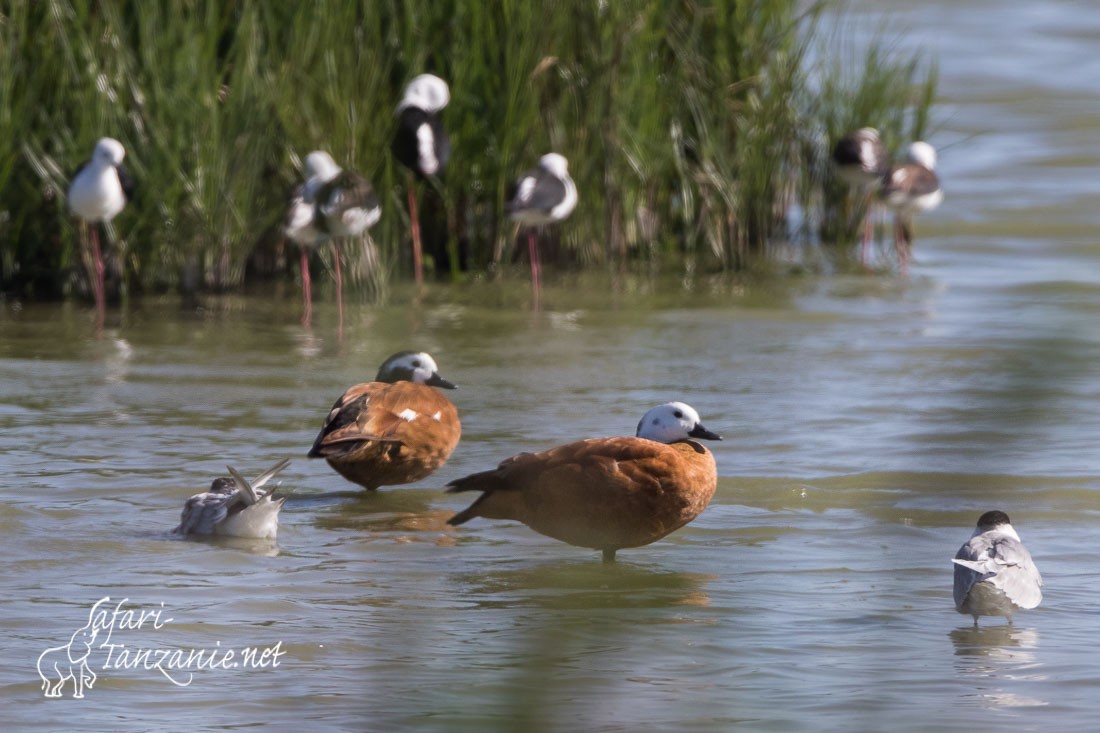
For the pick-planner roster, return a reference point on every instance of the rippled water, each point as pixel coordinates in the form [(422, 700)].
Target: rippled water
[(867, 422)]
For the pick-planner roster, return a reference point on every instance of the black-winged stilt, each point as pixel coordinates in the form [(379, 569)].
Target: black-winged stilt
[(861, 162), (543, 195), (332, 203), (421, 144), (99, 190), (909, 189)]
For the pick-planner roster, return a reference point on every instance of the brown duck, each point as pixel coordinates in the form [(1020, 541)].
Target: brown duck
[(394, 430), (605, 493)]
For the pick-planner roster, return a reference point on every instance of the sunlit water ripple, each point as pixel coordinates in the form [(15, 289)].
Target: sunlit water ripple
[(867, 422)]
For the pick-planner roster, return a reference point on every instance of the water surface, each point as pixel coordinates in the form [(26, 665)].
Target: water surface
[(868, 421)]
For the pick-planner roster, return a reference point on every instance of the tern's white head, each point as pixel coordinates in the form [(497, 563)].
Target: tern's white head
[(673, 422)]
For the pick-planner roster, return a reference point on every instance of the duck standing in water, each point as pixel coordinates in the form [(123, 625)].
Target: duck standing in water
[(235, 508), (394, 430), (605, 493)]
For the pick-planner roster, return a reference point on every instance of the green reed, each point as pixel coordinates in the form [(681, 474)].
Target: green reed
[(692, 128)]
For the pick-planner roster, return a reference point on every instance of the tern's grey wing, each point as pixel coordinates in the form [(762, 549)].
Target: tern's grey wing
[(247, 493), (203, 511), (1017, 575), (969, 567), (1004, 562), (267, 475)]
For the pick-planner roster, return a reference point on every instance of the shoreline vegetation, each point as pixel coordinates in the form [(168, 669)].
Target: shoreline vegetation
[(698, 131)]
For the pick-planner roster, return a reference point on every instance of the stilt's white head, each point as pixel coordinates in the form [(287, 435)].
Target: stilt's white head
[(427, 92), (109, 151), (922, 153), (556, 164), (320, 166)]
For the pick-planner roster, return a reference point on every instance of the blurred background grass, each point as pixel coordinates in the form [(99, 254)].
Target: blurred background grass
[(698, 131)]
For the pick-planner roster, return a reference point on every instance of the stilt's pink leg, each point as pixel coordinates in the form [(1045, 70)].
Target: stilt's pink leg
[(901, 243), (339, 289), (868, 230), (533, 255), (414, 221), (307, 291), (98, 287)]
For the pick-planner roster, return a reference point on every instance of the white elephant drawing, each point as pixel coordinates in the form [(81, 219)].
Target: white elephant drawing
[(59, 663)]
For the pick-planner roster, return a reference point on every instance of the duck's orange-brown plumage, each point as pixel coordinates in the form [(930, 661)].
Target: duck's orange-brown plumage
[(385, 432), (603, 493)]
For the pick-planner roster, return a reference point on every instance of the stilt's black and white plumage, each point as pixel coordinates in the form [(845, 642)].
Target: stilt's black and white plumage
[(861, 162), (994, 572), (99, 191), (541, 196), (909, 189), (421, 144), (332, 203)]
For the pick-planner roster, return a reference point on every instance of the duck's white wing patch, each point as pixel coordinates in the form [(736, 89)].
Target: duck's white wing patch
[(408, 414)]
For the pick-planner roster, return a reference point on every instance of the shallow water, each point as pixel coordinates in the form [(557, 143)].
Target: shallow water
[(868, 421)]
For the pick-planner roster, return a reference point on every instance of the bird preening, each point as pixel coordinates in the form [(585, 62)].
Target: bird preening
[(331, 204), (908, 188), (994, 572), (861, 162), (235, 507)]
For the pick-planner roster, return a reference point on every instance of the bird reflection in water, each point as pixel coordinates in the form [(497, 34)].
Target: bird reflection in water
[(1005, 654)]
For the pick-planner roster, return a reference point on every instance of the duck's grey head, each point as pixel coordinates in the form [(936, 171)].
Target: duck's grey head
[(412, 366), (673, 422)]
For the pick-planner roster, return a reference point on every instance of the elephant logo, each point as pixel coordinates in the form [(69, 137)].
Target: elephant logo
[(70, 661)]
